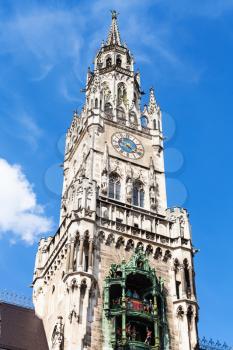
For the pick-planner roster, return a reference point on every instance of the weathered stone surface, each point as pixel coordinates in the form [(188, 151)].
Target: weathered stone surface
[(113, 201)]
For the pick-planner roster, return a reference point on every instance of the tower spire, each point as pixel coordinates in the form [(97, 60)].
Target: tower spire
[(114, 35)]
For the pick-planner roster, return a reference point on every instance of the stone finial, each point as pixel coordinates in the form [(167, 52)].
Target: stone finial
[(114, 35), (114, 14), (152, 102)]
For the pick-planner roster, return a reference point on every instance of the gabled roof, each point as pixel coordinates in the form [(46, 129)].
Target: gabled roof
[(21, 329)]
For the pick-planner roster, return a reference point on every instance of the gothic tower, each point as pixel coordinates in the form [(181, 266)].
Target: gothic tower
[(118, 273)]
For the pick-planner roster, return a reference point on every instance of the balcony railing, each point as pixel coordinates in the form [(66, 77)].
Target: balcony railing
[(134, 305), (134, 345), (213, 345), (16, 299), (137, 345)]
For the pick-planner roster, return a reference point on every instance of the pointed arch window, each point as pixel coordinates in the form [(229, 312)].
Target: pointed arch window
[(159, 125), (133, 118), (96, 103), (114, 186), (121, 116), (187, 278), (108, 62), (108, 110), (155, 124), (138, 194), (118, 61), (144, 121)]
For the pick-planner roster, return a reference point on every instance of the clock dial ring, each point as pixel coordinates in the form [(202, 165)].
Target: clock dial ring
[(127, 145)]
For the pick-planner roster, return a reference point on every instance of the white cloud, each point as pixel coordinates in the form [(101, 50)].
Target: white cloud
[(20, 216)]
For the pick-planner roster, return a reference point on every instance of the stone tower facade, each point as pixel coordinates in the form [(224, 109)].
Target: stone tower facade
[(118, 273)]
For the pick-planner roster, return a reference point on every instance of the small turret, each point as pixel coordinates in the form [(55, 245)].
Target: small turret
[(152, 102), (154, 112)]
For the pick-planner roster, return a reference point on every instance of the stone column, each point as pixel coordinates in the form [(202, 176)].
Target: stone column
[(90, 255), (106, 297), (110, 212), (184, 294), (71, 262), (81, 253), (125, 217), (183, 332), (140, 221), (84, 197), (78, 300), (156, 324), (186, 326), (191, 282), (174, 282), (123, 316), (68, 258), (193, 332)]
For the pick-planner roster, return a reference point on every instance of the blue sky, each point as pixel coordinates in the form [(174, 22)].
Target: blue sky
[(184, 49)]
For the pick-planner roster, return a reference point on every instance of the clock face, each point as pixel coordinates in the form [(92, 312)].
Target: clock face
[(127, 145)]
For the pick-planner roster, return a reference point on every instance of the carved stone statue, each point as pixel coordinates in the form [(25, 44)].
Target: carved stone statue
[(82, 171), (153, 199), (104, 183), (129, 189), (107, 91), (58, 335), (182, 224)]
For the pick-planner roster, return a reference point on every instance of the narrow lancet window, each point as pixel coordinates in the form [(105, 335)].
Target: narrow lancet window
[(138, 194), (114, 187)]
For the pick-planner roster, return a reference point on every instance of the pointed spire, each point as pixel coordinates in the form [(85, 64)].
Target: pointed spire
[(152, 102), (152, 167), (114, 35)]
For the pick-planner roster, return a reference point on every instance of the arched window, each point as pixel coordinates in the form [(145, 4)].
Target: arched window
[(155, 124), (121, 94), (190, 316), (83, 288), (187, 278), (159, 125), (144, 121), (114, 186), (121, 115), (118, 61), (177, 278), (133, 118), (138, 194), (158, 253), (108, 62), (96, 103), (108, 108)]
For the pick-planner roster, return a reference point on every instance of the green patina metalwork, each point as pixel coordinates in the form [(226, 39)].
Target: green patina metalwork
[(136, 274)]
